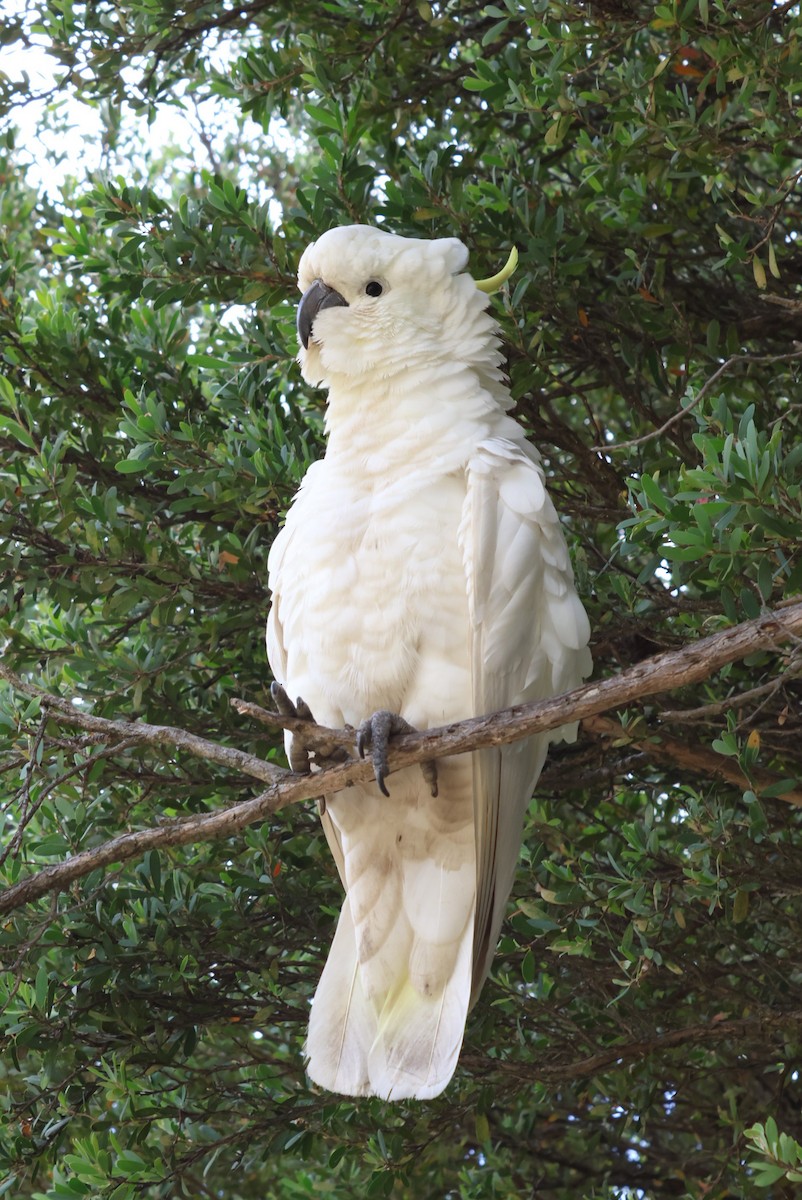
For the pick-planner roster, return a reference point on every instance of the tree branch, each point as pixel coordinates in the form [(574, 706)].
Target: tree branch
[(664, 672), (736, 701), (607, 447), (143, 734), (735, 1030), (656, 745)]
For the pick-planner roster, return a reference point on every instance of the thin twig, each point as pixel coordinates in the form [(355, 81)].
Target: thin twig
[(680, 754), (736, 701), (607, 447), (141, 733), (27, 809), (620, 1055)]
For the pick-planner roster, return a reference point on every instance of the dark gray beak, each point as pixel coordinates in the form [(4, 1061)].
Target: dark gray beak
[(315, 298)]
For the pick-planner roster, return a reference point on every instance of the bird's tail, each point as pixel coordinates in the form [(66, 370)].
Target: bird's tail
[(402, 1045)]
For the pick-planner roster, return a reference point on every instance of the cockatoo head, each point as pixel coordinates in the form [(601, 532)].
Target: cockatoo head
[(375, 302)]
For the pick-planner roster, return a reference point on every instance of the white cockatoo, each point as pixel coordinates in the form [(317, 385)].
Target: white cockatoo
[(421, 571)]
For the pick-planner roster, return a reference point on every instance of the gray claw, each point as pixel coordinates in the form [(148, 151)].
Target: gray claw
[(374, 736), (301, 754), (302, 709), (429, 772), (298, 755), (281, 700)]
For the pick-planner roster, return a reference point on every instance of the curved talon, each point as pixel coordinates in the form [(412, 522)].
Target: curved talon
[(374, 736), (314, 752), (297, 754), (281, 700), (429, 773), (361, 739)]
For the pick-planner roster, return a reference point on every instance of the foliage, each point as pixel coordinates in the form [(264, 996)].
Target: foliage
[(784, 1154), (640, 1034)]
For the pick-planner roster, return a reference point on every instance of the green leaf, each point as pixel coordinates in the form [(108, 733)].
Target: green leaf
[(17, 431), (41, 987), (767, 1174), (655, 494), (328, 117)]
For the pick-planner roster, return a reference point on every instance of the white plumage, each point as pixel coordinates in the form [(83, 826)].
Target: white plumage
[(422, 569)]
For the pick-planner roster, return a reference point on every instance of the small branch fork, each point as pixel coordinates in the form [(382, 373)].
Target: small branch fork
[(662, 673), (693, 759), (770, 359), (760, 1026)]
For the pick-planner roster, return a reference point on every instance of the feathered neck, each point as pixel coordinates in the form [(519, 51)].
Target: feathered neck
[(418, 416)]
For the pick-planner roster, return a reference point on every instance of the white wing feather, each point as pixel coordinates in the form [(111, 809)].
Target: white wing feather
[(389, 1012), (529, 636), (277, 657)]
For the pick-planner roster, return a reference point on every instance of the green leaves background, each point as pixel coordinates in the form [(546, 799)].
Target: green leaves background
[(640, 1034)]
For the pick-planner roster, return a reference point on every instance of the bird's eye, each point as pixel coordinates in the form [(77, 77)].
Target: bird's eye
[(374, 288)]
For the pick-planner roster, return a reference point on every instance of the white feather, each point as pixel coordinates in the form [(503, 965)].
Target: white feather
[(421, 569)]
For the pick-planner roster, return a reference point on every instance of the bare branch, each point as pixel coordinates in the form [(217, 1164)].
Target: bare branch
[(664, 672), (735, 1030), (140, 733), (770, 359), (655, 744), (739, 699)]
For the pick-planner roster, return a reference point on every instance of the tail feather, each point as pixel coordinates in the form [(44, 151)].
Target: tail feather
[(389, 1013), (343, 1021), (419, 1037), (405, 1047)]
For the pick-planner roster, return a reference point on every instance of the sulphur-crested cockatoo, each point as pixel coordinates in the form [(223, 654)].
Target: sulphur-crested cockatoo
[(421, 571)]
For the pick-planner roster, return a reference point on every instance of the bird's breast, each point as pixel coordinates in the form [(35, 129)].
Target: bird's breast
[(372, 597)]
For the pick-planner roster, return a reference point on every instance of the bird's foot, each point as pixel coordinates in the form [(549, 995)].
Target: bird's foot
[(307, 749), (374, 736)]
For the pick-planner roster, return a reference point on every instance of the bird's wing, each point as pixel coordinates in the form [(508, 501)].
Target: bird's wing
[(276, 648), (277, 657), (529, 635)]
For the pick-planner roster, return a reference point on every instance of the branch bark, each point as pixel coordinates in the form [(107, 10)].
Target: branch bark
[(761, 1027), (662, 673), (607, 447), (141, 733), (655, 744)]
